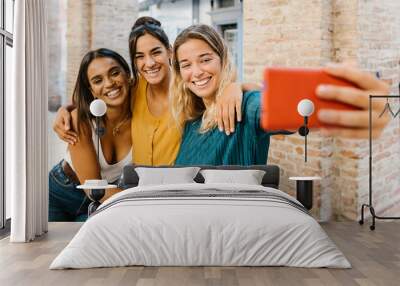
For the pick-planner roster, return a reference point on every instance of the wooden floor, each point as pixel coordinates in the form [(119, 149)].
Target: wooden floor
[(374, 255)]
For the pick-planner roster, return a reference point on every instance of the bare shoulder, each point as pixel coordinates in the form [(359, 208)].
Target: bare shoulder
[(84, 128)]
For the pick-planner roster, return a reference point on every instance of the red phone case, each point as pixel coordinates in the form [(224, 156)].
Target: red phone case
[(284, 88)]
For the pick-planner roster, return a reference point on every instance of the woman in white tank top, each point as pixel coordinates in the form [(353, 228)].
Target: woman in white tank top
[(103, 74)]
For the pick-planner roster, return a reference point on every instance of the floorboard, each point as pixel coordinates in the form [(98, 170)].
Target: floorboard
[(374, 255)]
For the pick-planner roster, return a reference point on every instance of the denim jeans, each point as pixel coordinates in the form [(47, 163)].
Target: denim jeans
[(66, 202)]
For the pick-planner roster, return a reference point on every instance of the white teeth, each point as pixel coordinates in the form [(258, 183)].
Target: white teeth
[(152, 72), (113, 93), (202, 82)]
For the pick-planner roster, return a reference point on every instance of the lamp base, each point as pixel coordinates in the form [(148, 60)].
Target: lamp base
[(303, 130), (93, 207), (95, 195), (304, 190), (304, 193)]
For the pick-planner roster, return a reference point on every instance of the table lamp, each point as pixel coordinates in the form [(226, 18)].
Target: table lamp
[(305, 108), (97, 187)]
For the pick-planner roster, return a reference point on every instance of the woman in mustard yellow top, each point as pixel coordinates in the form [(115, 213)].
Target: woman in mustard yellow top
[(155, 137)]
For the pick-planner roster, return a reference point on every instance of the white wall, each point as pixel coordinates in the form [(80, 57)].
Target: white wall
[(175, 17), (205, 8)]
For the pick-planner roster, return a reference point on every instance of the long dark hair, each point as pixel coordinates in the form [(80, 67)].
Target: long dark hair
[(142, 26), (82, 96)]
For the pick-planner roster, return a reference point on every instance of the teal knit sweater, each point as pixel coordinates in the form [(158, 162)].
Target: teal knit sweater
[(248, 145)]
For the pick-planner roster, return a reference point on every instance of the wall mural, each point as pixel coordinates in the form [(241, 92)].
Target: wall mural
[(177, 101)]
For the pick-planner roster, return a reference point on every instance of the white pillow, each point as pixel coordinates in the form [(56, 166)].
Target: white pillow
[(166, 176), (248, 177)]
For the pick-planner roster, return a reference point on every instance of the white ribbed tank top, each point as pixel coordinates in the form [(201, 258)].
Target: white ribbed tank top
[(112, 172)]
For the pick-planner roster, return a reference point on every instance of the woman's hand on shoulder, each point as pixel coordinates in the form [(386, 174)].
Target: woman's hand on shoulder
[(229, 108), (62, 126), (355, 123)]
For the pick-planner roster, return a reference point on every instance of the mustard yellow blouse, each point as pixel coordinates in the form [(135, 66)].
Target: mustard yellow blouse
[(155, 140)]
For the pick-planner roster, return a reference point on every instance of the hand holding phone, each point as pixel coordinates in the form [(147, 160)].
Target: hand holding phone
[(284, 88)]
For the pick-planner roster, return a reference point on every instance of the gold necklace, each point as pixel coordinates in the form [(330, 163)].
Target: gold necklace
[(115, 130)]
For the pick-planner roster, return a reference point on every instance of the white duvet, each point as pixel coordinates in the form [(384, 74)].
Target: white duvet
[(182, 230)]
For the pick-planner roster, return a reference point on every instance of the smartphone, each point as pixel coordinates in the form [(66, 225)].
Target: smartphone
[(285, 87)]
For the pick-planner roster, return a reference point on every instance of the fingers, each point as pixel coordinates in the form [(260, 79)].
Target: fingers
[(219, 118), (67, 136), (229, 107), (66, 123), (344, 118), (71, 137), (231, 112), (349, 95), (225, 119), (238, 107), (62, 120), (355, 123), (356, 119), (65, 118), (62, 126), (362, 79)]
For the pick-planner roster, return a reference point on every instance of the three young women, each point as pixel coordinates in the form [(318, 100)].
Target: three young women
[(155, 137), (201, 69), (145, 124)]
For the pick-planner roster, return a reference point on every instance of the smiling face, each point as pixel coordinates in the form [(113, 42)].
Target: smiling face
[(108, 81), (200, 68), (152, 59)]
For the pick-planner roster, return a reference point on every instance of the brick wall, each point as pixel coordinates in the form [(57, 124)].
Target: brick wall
[(311, 33), (111, 24), (96, 24), (78, 38)]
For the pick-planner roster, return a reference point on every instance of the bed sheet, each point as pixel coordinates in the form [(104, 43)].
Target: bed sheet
[(201, 225)]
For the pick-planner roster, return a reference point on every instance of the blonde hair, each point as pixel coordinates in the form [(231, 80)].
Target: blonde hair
[(185, 104)]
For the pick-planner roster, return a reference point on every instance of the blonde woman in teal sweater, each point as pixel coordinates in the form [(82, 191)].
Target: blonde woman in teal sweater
[(201, 70)]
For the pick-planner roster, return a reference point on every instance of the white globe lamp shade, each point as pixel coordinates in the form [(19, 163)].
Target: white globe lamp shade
[(305, 107), (98, 107)]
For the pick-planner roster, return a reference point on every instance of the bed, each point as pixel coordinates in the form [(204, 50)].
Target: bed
[(201, 223)]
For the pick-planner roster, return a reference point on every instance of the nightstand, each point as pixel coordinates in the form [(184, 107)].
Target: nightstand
[(97, 189), (304, 190)]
